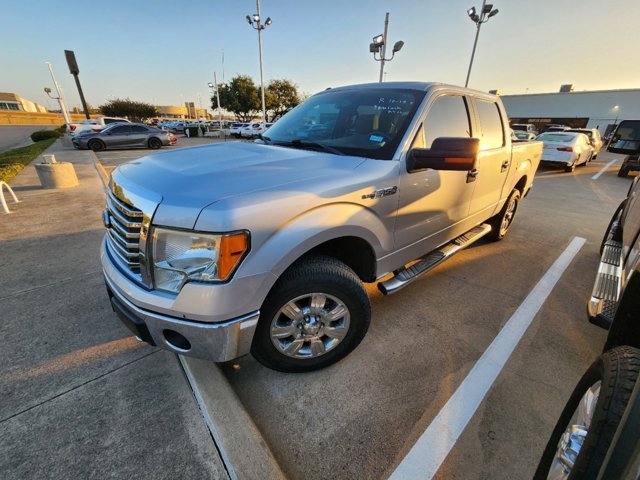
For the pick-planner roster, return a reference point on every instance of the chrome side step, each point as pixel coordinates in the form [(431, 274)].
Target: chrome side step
[(606, 290), (406, 275)]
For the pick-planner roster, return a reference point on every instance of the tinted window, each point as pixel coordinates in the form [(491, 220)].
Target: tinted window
[(112, 120), (447, 117), (556, 137), (491, 131), (138, 128), (119, 130)]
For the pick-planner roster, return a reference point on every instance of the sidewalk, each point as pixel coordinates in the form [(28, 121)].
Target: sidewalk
[(80, 397)]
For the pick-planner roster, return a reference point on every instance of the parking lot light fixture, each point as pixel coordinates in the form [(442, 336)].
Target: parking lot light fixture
[(60, 98), (486, 12), (379, 46), (256, 24)]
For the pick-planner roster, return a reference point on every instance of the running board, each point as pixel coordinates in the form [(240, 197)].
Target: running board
[(603, 304), (406, 275)]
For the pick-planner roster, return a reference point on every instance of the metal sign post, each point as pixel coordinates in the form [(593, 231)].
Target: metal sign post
[(73, 68)]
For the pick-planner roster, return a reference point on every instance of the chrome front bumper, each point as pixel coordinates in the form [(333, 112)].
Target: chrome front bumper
[(218, 342)]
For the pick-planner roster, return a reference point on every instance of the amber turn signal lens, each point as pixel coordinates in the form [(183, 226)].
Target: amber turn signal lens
[(232, 248)]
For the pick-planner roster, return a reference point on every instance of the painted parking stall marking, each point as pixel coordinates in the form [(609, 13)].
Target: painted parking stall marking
[(432, 448), (603, 170)]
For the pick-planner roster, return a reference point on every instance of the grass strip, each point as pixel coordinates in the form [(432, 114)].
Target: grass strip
[(13, 161)]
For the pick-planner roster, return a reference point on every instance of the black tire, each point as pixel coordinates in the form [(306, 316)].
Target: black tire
[(618, 371), (624, 171), (96, 145), (614, 217), (313, 274), (570, 168), (498, 229), (155, 143)]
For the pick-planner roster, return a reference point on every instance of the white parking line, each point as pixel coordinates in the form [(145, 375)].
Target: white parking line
[(604, 169), (433, 446)]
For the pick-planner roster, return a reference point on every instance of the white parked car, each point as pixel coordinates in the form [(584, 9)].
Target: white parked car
[(566, 148), (254, 129), (594, 138), (235, 128), (94, 125)]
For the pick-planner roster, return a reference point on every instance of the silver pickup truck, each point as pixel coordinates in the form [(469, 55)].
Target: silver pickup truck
[(221, 250)]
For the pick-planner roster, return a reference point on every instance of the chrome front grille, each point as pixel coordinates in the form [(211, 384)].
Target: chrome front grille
[(124, 224)]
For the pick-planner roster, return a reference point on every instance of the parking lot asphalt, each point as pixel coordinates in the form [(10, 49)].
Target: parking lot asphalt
[(79, 396), (360, 417)]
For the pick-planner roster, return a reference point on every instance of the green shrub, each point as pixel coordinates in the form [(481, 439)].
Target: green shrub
[(44, 135), (12, 161)]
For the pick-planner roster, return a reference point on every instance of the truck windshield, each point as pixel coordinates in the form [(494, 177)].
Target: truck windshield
[(367, 122)]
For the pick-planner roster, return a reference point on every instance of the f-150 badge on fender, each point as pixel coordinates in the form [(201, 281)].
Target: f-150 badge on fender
[(381, 193)]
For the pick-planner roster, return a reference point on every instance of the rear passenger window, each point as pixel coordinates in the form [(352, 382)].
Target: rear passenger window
[(491, 131), (447, 117)]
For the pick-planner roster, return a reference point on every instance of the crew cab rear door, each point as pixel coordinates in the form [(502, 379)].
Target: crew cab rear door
[(433, 202), (494, 159)]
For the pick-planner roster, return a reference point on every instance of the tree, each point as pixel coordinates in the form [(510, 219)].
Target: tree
[(280, 97), (240, 97), (136, 111)]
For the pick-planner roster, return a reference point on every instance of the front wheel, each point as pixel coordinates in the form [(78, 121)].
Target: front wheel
[(585, 429), (155, 143), (501, 223), (96, 145), (316, 314)]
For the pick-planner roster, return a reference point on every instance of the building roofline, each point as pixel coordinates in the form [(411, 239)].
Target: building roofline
[(573, 93)]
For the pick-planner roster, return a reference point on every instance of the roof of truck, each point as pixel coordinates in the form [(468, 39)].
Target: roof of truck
[(422, 86)]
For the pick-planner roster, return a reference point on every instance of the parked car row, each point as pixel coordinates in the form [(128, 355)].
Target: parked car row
[(248, 130)]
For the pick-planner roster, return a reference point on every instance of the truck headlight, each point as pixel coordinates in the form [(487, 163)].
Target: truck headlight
[(179, 257)]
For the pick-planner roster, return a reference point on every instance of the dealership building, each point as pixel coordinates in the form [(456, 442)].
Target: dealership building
[(600, 109)]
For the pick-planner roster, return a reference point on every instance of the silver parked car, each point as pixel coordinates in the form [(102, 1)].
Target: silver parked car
[(121, 135), (594, 138)]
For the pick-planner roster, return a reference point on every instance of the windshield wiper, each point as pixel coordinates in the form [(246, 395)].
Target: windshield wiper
[(298, 143)]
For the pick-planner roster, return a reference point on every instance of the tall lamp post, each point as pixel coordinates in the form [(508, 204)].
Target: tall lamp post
[(256, 23), (379, 46), (60, 97), (486, 12), (213, 86)]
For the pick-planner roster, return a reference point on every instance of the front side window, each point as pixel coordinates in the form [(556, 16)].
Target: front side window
[(362, 122), (119, 130), (491, 131), (447, 117), (138, 128)]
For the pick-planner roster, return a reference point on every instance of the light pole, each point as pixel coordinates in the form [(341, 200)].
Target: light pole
[(256, 23), (212, 86), (616, 108), (60, 98), (486, 12), (379, 46)]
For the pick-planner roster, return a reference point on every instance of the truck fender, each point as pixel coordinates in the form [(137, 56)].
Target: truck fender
[(315, 227)]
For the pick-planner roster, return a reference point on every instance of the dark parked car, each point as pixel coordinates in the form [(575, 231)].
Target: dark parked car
[(626, 140), (124, 135), (598, 433)]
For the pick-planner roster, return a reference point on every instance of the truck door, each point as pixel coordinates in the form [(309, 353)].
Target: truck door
[(494, 159), (432, 202)]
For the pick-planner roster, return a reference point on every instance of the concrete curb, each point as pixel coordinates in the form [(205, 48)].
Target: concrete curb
[(241, 445), (102, 172)]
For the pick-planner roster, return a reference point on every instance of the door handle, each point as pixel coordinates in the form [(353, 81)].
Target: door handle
[(471, 175), (505, 165)]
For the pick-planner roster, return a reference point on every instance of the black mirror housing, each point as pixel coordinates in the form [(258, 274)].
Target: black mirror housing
[(446, 153)]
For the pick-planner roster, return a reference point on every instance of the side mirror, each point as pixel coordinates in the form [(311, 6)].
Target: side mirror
[(446, 153)]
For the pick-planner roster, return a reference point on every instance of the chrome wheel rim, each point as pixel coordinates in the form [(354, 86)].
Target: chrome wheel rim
[(508, 216), (310, 325), (574, 435)]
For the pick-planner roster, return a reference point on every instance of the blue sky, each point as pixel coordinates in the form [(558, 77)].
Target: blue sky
[(166, 52)]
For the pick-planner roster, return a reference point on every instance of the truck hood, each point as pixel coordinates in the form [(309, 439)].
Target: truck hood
[(185, 181)]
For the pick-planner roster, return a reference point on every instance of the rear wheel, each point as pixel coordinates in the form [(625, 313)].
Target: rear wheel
[(624, 171), (96, 145), (570, 168), (501, 223), (316, 314), (155, 143), (585, 429)]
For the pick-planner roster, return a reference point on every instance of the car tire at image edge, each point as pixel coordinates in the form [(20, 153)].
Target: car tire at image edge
[(616, 372), (321, 276)]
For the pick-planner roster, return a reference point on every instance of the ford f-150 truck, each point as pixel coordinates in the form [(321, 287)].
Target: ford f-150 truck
[(221, 250)]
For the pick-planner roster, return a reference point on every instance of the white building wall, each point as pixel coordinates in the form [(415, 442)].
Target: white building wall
[(597, 106)]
